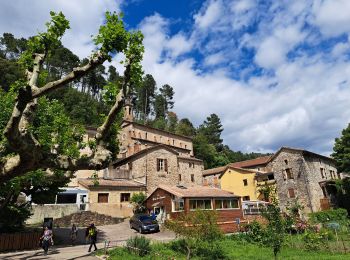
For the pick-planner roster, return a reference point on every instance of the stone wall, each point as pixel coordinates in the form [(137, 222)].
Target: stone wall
[(306, 178), (187, 167), (212, 180), (51, 211), (134, 133), (144, 169), (313, 165), (85, 218)]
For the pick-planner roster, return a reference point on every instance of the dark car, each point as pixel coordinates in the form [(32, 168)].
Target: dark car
[(144, 223)]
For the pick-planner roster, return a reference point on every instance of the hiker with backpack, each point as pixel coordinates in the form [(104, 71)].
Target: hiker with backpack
[(92, 235)]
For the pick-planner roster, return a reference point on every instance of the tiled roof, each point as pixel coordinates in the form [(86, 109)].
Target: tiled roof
[(253, 162), (216, 170), (110, 183), (223, 169), (196, 191)]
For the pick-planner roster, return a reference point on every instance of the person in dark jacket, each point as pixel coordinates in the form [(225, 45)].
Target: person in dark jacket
[(92, 235)]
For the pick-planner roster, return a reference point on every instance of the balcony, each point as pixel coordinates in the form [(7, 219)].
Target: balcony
[(253, 207)]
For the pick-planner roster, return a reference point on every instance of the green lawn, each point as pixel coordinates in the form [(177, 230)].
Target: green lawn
[(234, 250)]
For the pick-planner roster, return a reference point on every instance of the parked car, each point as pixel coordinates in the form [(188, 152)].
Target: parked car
[(143, 223)]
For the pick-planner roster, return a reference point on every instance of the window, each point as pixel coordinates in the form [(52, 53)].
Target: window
[(191, 165), (178, 205), (322, 173), (145, 135), (179, 177), (192, 177), (246, 198), (289, 173), (286, 162), (226, 204), (124, 197), (245, 182), (162, 165), (200, 204), (331, 174), (102, 198), (173, 142), (185, 146), (291, 193), (130, 165)]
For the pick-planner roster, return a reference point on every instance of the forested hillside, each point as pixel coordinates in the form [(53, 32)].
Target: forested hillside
[(86, 101)]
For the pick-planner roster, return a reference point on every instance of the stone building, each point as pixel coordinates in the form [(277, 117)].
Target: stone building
[(152, 156), (300, 175)]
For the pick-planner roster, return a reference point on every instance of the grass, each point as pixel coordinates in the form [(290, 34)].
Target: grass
[(234, 250)]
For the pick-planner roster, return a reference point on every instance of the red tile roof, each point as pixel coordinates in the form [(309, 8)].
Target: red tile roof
[(253, 162), (223, 169), (196, 191)]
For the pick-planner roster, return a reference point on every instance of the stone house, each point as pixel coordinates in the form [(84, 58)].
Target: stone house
[(169, 201), (157, 165), (300, 175), (148, 157)]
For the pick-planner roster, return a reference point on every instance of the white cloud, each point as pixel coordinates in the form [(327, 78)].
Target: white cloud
[(214, 59), (26, 18), (332, 16), (209, 15), (303, 104), (179, 44)]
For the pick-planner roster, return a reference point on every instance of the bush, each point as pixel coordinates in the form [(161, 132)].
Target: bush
[(139, 245), (200, 248), (255, 232), (315, 241), (332, 215)]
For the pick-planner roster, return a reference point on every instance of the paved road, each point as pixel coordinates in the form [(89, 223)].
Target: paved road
[(116, 234)]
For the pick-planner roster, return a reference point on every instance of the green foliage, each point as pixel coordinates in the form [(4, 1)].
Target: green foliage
[(138, 198), (44, 42), (332, 215), (316, 240), (112, 36), (139, 245), (275, 230), (199, 231), (342, 151), (255, 233)]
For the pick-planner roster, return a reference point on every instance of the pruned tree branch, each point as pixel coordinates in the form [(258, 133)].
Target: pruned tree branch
[(76, 73)]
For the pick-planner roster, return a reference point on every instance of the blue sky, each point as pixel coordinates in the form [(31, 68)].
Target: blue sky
[(276, 72)]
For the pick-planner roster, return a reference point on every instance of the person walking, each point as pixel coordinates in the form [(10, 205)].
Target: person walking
[(73, 234), (92, 234), (46, 239)]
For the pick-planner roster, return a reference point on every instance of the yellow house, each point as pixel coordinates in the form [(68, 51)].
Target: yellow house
[(240, 181), (248, 183)]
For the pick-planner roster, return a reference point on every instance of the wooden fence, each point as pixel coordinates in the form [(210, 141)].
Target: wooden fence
[(19, 241)]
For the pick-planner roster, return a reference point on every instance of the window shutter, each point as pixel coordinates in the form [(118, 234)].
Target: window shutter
[(157, 165), (166, 165)]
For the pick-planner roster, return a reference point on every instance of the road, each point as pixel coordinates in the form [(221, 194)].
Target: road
[(115, 234)]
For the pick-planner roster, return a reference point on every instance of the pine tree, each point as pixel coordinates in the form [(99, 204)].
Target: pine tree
[(342, 151), (212, 129)]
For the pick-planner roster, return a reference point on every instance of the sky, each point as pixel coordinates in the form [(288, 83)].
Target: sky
[(276, 72)]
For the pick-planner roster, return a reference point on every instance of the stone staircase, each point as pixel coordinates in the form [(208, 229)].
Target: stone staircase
[(85, 218)]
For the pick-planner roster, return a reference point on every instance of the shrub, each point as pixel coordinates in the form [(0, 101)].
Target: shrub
[(209, 250), (255, 232), (139, 245), (315, 241), (339, 215)]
